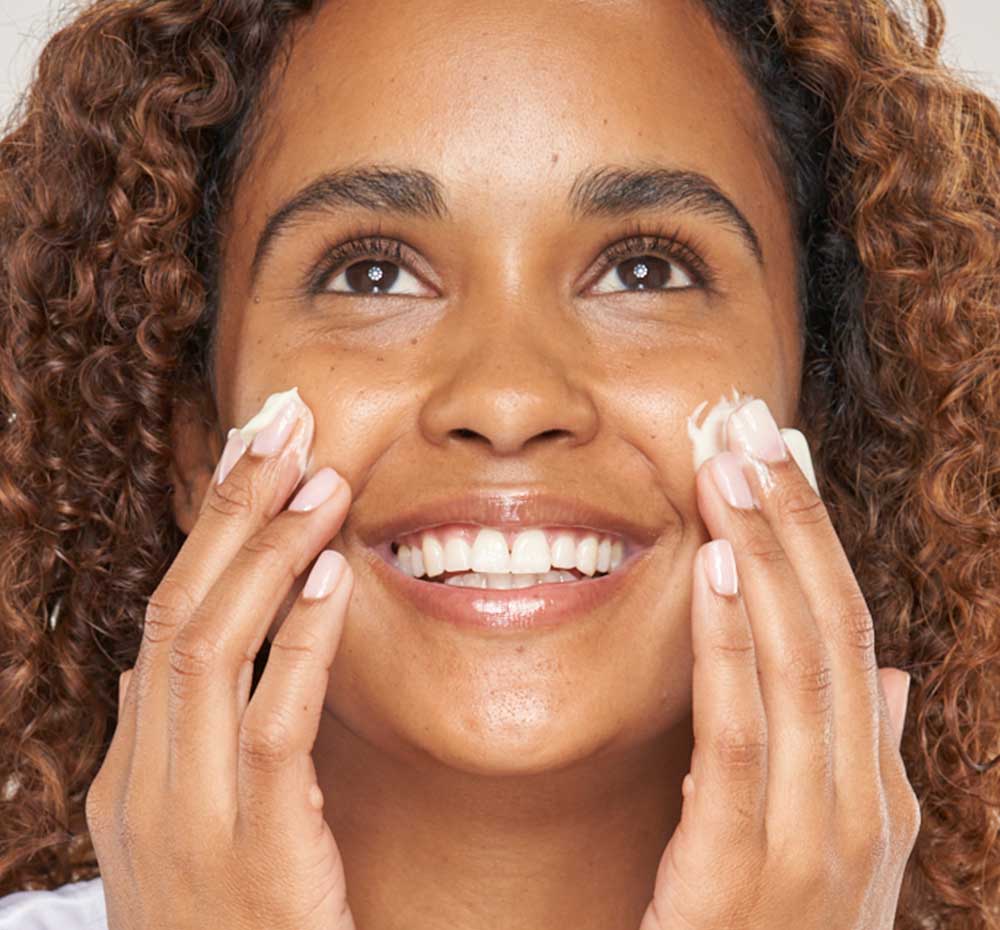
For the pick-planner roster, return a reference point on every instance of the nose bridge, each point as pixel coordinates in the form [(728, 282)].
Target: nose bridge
[(509, 374)]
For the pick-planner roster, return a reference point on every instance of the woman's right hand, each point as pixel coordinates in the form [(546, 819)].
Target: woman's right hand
[(206, 811)]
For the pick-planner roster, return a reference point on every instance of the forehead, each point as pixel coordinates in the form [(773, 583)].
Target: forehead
[(507, 102)]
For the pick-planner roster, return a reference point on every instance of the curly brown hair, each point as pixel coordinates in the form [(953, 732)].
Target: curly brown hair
[(116, 168)]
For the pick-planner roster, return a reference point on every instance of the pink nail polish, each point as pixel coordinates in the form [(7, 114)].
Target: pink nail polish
[(316, 490), (756, 432), (726, 469), (720, 567), (273, 437), (324, 575)]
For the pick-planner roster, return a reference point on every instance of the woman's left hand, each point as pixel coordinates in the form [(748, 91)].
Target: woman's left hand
[(797, 811)]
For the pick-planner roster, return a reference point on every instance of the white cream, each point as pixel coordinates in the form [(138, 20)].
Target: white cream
[(710, 438), (272, 407)]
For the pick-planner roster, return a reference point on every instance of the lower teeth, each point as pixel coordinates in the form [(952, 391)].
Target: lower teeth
[(506, 580)]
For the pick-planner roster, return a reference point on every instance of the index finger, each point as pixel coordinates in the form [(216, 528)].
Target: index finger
[(259, 483)]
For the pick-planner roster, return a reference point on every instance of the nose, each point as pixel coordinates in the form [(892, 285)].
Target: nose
[(512, 378)]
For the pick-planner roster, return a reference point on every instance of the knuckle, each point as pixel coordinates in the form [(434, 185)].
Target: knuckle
[(193, 655), (906, 816), (853, 621), (167, 609), (236, 496), (265, 543), (763, 548), (278, 548), (741, 748), (801, 506), (811, 675), (733, 647), (296, 647), (267, 746)]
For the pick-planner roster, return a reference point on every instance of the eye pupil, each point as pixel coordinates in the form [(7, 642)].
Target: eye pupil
[(371, 277), (640, 273)]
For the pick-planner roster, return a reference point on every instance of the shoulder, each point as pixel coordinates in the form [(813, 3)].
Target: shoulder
[(79, 906)]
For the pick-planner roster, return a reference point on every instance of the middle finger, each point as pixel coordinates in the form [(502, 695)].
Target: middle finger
[(792, 658)]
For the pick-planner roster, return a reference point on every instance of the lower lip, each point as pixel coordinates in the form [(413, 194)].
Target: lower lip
[(540, 606)]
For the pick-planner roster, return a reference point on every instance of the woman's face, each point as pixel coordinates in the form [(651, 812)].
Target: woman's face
[(503, 355)]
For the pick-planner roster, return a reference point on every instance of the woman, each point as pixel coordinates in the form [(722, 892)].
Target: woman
[(493, 258)]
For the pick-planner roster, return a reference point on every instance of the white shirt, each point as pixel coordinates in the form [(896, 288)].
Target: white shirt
[(77, 906)]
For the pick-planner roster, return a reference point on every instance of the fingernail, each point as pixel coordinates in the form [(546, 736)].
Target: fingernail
[(898, 695), (720, 567), (231, 454), (272, 437), (324, 575), (799, 447), (727, 473), (316, 490), (756, 432)]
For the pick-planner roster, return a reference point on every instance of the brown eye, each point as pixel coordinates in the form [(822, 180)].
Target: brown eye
[(375, 276), (645, 273)]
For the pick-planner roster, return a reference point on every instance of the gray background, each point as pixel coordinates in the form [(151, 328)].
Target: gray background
[(972, 40)]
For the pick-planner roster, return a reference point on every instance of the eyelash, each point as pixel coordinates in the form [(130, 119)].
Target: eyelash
[(658, 241)]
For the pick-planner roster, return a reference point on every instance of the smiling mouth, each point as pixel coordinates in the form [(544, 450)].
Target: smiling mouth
[(472, 556)]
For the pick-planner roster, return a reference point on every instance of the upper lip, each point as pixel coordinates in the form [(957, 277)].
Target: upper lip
[(506, 510)]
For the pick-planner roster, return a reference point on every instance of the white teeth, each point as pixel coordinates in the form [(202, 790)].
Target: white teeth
[(433, 556), (586, 555), (523, 581), (417, 558), (557, 576), (489, 552), (469, 580), (506, 581), (530, 552), (457, 555), (564, 551), (604, 555), (533, 552)]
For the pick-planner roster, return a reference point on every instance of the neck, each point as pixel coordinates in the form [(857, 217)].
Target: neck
[(428, 846)]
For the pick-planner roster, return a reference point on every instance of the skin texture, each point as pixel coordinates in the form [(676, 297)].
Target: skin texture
[(534, 781)]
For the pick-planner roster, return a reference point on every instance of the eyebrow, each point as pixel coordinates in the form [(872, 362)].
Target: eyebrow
[(607, 190)]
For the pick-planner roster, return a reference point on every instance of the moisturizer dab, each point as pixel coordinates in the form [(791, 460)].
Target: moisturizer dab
[(272, 407), (710, 438)]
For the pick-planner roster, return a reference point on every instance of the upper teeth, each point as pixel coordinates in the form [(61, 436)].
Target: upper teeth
[(481, 549)]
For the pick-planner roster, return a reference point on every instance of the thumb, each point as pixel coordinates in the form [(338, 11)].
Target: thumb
[(896, 685)]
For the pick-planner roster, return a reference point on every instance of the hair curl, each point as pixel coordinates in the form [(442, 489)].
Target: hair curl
[(119, 161)]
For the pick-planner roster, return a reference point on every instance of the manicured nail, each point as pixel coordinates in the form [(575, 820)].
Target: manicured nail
[(324, 575), (231, 454), (720, 567), (756, 432), (272, 438), (897, 693), (316, 490), (727, 472)]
